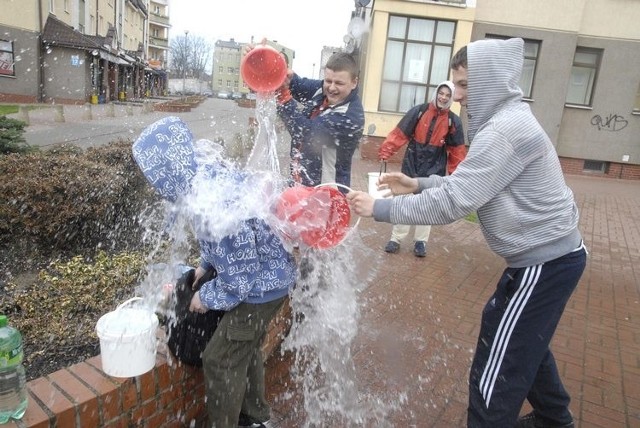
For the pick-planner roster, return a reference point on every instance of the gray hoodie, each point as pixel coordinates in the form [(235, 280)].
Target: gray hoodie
[(511, 175)]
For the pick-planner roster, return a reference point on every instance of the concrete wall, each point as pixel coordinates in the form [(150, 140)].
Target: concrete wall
[(66, 75), (552, 70), (23, 87), (608, 131)]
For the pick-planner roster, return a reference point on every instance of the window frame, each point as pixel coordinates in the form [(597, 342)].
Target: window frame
[(403, 81), (593, 81), (10, 58)]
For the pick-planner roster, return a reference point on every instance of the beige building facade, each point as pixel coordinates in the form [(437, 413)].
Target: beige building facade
[(581, 74), (77, 51)]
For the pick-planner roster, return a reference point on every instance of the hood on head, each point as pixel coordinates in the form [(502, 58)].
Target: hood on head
[(434, 97), (164, 153), (493, 75)]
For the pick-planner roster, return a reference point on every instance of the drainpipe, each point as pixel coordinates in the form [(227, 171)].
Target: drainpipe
[(40, 93)]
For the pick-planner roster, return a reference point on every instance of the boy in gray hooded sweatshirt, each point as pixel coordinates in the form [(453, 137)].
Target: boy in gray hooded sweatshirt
[(512, 177)]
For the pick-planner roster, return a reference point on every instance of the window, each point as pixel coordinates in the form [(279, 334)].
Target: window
[(416, 59), (6, 59), (531, 51), (583, 76), (595, 166), (636, 105)]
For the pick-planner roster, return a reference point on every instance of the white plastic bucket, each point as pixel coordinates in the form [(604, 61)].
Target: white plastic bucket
[(128, 340), (373, 186)]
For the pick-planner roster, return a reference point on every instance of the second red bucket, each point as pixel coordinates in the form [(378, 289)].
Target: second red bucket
[(319, 216)]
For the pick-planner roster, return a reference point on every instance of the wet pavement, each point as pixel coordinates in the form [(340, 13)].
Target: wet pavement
[(419, 316)]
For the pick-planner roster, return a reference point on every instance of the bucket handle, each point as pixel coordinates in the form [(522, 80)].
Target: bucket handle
[(383, 167), (348, 189), (126, 302)]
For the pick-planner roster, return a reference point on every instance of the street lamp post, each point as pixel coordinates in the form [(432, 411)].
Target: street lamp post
[(186, 62)]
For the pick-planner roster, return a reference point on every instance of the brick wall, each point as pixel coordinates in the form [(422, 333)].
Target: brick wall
[(369, 149), (169, 396), (622, 171)]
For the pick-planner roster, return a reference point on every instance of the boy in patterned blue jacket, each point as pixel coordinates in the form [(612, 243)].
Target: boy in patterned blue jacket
[(255, 272)]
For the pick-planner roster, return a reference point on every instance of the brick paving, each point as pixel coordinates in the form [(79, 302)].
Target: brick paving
[(419, 318)]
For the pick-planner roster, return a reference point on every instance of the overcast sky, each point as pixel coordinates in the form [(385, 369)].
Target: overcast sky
[(304, 26)]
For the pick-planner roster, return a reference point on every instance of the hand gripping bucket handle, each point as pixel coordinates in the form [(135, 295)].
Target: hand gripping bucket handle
[(348, 189)]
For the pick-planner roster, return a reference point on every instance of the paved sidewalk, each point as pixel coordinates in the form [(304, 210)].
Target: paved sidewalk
[(419, 317), (213, 119)]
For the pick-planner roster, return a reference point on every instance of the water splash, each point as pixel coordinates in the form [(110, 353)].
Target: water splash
[(326, 310), (325, 302)]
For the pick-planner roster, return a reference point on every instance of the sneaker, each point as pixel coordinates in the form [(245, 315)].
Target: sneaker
[(245, 421), (392, 247), (265, 424), (420, 249), (530, 420)]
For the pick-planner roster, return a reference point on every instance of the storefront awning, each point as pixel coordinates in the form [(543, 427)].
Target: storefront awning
[(109, 57)]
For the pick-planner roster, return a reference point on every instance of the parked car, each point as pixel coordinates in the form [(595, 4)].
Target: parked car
[(207, 93), (224, 95)]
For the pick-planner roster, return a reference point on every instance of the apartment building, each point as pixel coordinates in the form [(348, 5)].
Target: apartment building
[(159, 26), (580, 78), (77, 51)]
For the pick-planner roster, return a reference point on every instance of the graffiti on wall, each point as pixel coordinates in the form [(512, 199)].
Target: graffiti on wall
[(612, 122)]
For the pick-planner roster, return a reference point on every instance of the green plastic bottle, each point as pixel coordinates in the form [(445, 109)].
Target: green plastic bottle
[(13, 390)]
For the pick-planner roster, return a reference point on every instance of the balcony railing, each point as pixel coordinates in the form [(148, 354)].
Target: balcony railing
[(158, 19), (159, 42)]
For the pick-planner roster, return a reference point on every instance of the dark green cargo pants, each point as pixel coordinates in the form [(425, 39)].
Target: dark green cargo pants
[(234, 367)]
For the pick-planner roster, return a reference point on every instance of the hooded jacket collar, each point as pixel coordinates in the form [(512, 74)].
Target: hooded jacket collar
[(493, 74), (434, 97)]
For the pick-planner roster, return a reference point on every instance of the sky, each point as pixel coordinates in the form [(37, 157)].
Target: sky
[(304, 26)]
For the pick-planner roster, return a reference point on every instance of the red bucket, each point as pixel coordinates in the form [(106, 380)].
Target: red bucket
[(320, 216), (263, 69)]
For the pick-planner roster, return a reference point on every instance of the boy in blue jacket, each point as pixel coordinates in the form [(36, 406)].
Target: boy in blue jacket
[(325, 119), (254, 269)]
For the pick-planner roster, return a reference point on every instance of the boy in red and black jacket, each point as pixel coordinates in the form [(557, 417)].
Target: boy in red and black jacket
[(435, 146)]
